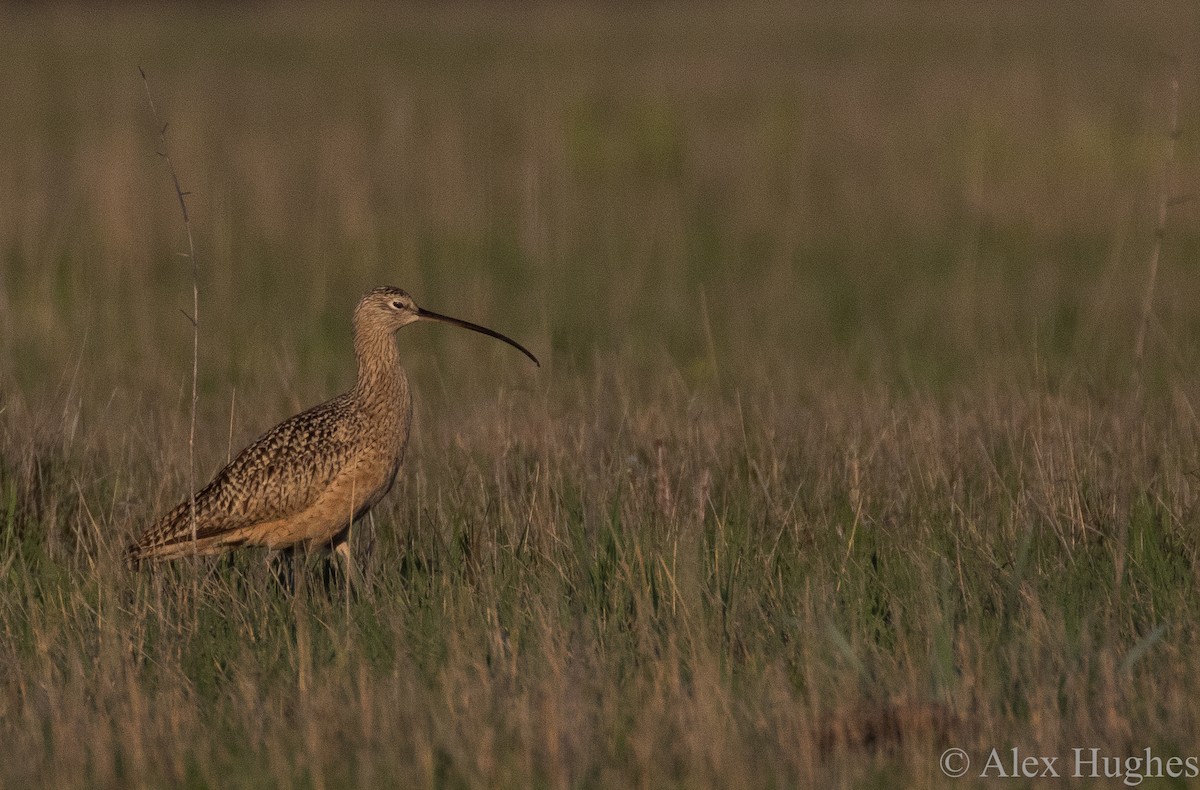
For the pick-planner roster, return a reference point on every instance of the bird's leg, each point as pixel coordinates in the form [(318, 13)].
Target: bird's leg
[(370, 547), (271, 561), (342, 548), (299, 571), (283, 566)]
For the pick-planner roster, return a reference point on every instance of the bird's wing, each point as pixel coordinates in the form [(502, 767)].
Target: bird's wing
[(278, 476)]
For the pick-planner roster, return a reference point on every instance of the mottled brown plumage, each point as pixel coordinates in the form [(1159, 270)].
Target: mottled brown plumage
[(309, 478)]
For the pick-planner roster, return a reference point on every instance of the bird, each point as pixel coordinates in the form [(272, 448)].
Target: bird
[(306, 481)]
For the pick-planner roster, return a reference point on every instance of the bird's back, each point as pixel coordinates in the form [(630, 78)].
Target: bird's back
[(276, 478)]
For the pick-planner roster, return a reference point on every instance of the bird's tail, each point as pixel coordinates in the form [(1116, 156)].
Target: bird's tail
[(170, 537)]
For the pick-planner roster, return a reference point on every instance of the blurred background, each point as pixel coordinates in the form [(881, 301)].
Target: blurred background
[(735, 196)]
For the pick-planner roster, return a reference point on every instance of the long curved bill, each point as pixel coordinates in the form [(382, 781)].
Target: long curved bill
[(483, 330)]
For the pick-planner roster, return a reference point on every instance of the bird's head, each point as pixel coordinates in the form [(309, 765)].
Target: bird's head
[(388, 308)]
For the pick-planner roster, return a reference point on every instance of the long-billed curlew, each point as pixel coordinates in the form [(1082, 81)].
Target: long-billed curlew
[(308, 479)]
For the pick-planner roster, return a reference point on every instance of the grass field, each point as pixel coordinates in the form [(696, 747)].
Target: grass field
[(839, 457)]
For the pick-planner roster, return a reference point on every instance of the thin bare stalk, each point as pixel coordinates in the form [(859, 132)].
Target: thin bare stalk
[(232, 407), (1164, 202), (195, 316)]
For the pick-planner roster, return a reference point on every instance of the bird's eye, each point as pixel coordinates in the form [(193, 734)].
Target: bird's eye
[(398, 305)]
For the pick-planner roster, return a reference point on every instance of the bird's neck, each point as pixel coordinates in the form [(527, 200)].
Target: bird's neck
[(381, 381)]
